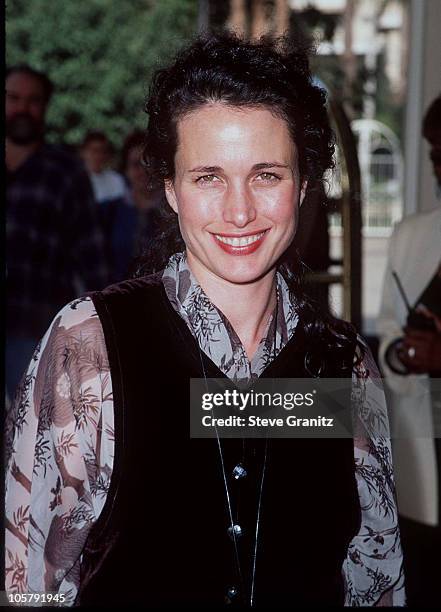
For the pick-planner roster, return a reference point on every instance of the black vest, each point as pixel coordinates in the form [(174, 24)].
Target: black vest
[(161, 539)]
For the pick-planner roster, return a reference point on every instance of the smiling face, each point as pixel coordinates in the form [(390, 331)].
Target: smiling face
[(236, 191)]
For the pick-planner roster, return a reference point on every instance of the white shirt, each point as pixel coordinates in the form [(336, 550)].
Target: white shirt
[(107, 185)]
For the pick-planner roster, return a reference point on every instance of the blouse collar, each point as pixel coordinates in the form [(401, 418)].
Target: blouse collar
[(215, 334)]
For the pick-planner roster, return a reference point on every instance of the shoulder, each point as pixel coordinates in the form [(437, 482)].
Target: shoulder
[(77, 313), (135, 296), (65, 173), (75, 332), (364, 363), (70, 357), (75, 340), (133, 286), (368, 399), (60, 158), (418, 222), (330, 345)]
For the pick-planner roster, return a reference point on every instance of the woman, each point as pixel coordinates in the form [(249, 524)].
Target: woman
[(125, 506), (136, 216)]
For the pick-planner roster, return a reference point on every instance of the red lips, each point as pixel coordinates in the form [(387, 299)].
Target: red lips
[(240, 250)]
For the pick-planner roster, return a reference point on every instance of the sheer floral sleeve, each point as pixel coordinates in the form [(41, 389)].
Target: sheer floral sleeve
[(373, 571), (59, 454)]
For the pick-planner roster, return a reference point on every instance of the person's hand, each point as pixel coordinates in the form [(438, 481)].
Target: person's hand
[(420, 350), (430, 315)]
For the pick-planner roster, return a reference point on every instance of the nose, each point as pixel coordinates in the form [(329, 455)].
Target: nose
[(239, 206)]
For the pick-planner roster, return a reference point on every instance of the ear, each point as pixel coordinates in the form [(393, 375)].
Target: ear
[(170, 194), (303, 191)]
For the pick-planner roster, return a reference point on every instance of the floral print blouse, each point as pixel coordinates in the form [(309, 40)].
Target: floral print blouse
[(60, 445)]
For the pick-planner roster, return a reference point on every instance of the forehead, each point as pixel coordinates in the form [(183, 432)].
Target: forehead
[(20, 83), (218, 130)]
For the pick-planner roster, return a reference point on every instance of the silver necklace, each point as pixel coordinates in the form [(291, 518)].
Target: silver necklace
[(234, 533)]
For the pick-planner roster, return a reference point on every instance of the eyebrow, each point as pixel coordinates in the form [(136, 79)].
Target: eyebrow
[(261, 166)]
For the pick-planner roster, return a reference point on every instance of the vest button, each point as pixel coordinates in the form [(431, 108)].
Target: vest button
[(235, 530), (231, 595), (239, 472)]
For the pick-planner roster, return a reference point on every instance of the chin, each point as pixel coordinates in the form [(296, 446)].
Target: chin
[(231, 268), (243, 274)]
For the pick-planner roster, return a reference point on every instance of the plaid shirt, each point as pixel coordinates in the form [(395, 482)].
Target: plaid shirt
[(55, 246)]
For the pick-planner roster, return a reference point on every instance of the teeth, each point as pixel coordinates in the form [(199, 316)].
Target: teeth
[(240, 242)]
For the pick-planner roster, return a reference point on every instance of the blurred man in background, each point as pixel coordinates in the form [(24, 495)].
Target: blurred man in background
[(409, 326), (54, 242)]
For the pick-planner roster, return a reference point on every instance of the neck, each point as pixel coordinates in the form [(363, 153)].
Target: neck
[(16, 155), (234, 300)]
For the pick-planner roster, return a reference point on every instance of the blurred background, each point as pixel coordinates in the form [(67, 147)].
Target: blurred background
[(378, 59)]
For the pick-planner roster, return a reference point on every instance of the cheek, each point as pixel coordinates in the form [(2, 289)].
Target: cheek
[(37, 111), (135, 175), (283, 206), (10, 107), (131, 177), (195, 208)]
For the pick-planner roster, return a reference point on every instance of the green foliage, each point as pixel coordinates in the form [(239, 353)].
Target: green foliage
[(100, 55)]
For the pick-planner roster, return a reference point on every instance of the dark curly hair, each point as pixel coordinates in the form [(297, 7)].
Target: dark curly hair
[(269, 73), (432, 120)]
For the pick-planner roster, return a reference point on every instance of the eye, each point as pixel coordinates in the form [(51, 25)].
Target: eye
[(207, 179), (268, 177)]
